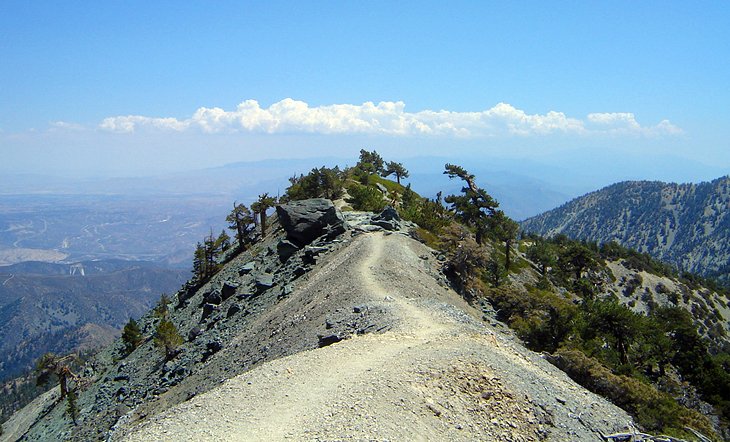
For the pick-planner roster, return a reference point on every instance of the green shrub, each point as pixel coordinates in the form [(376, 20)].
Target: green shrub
[(391, 186), (167, 338), (654, 411), (365, 198), (131, 336), (427, 214), (161, 309), (72, 409), (541, 318), (319, 183)]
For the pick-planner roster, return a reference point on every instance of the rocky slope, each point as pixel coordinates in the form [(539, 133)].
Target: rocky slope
[(684, 224), (322, 332), (642, 291)]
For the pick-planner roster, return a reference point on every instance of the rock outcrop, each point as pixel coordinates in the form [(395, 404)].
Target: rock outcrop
[(304, 221)]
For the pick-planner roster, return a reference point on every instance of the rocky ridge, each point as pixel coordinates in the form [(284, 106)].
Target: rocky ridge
[(347, 322)]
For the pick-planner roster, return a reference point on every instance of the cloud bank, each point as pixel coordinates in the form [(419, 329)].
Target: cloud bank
[(388, 118)]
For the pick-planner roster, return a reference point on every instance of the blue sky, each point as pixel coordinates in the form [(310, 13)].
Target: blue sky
[(126, 88)]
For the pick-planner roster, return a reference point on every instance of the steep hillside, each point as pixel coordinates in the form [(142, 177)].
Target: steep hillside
[(684, 224), (63, 307), (340, 334)]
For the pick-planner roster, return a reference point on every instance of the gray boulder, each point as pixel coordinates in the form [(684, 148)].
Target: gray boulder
[(228, 289), (208, 309), (247, 268), (286, 249), (194, 333), (232, 310), (387, 219), (264, 281), (306, 220), (388, 214), (213, 297)]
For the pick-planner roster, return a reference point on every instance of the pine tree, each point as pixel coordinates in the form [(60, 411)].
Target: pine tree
[(199, 262), (397, 169), (167, 338), (223, 242), (210, 254), (543, 254), (131, 336), (161, 310), (505, 230), (264, 203), (370, 162), (50, 365), (240, 220), (475, 205), (72, 409)]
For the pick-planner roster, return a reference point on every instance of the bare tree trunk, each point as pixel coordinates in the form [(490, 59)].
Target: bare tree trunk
[(64, 385), (263, 223)]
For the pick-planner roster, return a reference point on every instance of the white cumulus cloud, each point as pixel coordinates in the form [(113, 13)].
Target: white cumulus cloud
[(387, 118)]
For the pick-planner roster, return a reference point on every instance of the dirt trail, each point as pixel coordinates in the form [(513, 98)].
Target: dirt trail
[(436, 375), (417, 321)]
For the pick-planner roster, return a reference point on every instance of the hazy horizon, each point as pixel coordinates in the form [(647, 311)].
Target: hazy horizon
[(597, 93)]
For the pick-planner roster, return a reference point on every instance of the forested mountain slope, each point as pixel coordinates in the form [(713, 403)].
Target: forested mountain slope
[(63, 307), (687, 225)]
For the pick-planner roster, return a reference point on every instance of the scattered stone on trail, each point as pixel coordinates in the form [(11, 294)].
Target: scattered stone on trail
[(382, 188), (388, 214), (188, 291), (311, 253), (329, 340), (213, 297), (213, 346), (243, 296), (387, 219), (305, 220), (316, 250)]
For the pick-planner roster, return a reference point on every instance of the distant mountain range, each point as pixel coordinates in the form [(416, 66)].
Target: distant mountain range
[(68, 307), (687, 225)]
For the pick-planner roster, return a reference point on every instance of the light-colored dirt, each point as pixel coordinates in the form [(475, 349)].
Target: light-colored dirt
[(438, 374)]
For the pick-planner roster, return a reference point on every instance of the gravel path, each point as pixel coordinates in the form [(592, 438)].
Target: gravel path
[(437, 374)]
